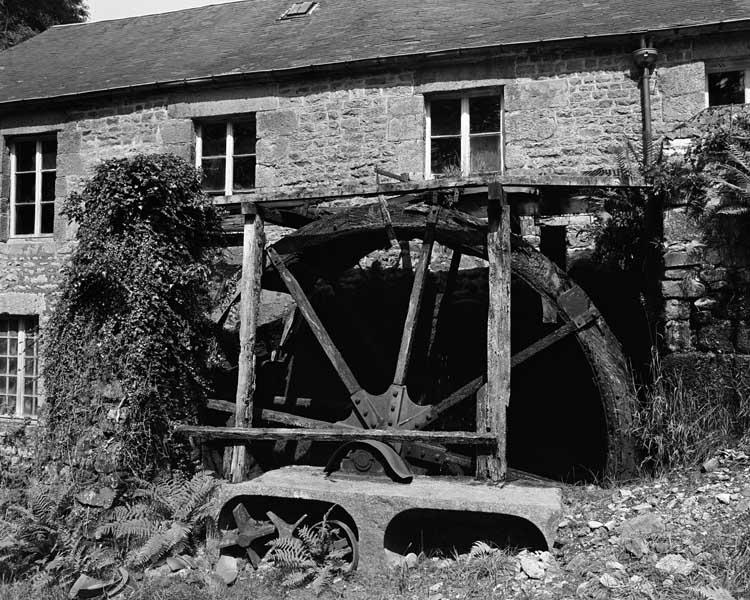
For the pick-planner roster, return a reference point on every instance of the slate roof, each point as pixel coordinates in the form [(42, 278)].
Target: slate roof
[(248, 38)]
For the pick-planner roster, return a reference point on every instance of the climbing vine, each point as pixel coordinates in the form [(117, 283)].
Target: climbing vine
[(711, 177), (127, 344)]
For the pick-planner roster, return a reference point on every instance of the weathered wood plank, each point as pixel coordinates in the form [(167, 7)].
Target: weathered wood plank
[(335, 434), (221, 405), (415, 300), (279, 196), (497, 397), (252, 270), (282, 418)]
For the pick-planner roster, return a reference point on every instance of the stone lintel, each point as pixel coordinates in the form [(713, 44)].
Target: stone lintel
[(22, 303)]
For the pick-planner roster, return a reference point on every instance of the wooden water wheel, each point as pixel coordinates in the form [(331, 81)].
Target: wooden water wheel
[(357, 381)]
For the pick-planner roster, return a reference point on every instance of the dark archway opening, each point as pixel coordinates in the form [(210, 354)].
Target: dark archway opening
[(447, 532)]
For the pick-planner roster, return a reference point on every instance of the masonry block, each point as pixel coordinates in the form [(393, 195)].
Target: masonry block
[(686, 288)]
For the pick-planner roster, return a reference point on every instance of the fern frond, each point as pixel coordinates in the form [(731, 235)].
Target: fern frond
[(159, 545), (481, 549), (42, 506), (134, 528), (197, 495), (289, 553)]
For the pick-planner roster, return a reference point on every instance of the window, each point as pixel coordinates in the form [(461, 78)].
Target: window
[(225, 151), (464, 135), (33, 168), (19, 366), (727, 84)]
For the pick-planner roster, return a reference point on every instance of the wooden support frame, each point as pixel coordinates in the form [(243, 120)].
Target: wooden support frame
[(493, 403), (252, 270), (493, 396)]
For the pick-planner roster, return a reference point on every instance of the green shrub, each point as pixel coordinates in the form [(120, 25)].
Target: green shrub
[(129, 330)]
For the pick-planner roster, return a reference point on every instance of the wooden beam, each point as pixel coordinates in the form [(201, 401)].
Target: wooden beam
[(293, 197), (252, 270), (335, 434), (492, 415)]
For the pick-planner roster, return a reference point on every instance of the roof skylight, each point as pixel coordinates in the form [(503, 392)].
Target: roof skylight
[(299, 9)]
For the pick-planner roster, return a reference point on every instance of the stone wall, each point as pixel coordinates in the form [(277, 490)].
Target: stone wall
[(706, 286)]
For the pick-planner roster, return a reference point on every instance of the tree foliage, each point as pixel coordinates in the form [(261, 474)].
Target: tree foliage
[(129, 334), (22, 19)]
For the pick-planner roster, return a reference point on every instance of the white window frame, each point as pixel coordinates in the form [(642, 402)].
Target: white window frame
[(228, 156), (724, 66), (38, 171), (23, 322), (465, 132)]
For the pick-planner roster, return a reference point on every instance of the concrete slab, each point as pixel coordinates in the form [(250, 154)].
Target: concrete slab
[(374, 503)]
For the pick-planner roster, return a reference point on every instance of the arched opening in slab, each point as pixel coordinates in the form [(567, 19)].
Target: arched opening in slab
[(288, 510), (449, 532)]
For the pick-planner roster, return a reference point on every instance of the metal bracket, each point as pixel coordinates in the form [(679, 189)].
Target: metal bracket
[(394, 465)]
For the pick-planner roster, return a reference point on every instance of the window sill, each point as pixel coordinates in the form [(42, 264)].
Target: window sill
[(30, 239)]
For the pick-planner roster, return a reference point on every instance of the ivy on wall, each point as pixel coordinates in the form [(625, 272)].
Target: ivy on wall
[(128, 339)]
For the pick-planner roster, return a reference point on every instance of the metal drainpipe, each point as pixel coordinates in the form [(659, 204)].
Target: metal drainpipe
[(645, 59)]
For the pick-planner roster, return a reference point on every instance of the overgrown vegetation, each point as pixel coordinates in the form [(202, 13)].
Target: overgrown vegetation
[(51, 537), (128, 338), (680, 424), (311, 556), (166, 518)]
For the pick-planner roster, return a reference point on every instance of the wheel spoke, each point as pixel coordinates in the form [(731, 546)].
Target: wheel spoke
[(430, 413), (415, 300), (437, 332), (559, 334), (324, 339)]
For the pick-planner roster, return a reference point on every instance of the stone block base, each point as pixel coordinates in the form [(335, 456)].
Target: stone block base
[(384, 512)]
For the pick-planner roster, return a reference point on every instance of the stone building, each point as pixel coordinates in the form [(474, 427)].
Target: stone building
[(273, 94)]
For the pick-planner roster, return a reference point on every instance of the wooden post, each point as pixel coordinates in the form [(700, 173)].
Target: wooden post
[(493, 404), (250, 288)]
